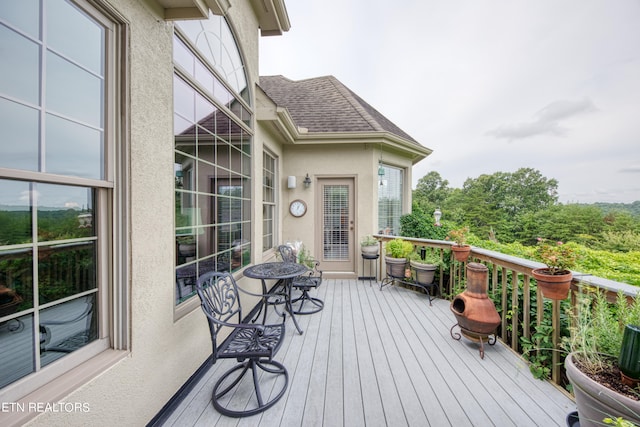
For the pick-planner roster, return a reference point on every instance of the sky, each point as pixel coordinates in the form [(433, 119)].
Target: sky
[(488, 85)]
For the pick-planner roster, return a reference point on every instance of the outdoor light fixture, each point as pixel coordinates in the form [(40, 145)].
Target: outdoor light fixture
[(380, 173), (291, 182), (307, 181), (437, 215)]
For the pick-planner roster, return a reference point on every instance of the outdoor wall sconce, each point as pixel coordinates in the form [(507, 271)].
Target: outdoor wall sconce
[(291, 182), (437, 214), (380, 173), (307, 181)]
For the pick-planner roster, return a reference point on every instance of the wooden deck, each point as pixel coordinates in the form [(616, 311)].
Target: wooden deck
[(386, 358)]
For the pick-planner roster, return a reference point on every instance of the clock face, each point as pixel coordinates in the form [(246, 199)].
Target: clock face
[(298, 208)]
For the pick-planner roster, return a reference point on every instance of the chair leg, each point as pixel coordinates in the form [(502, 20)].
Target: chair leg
[(268, 366), (319, 304)]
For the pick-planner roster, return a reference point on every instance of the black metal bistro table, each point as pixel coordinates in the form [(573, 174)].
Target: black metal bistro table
[(276, 271)]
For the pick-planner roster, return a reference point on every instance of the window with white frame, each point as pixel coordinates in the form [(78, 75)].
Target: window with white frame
[(268, 201), (56, 183), (390, 193), (212, 166)]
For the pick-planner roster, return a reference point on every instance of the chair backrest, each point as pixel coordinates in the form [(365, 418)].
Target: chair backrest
[(220, 302), (287, 253)]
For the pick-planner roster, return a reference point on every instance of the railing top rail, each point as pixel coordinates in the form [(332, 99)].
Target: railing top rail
[(522, 265)]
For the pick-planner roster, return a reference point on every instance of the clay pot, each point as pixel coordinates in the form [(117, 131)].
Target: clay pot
[(553, 286), (461, 253)]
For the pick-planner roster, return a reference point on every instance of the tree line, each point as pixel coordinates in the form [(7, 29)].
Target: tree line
[(522, 206)]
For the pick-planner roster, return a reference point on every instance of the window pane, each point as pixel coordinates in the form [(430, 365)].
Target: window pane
[(67, 327), (65, 270), (19, 135), (390, 200), (73, 149), (16, 281), (16, 349), (64, 212), (73, 92), (23, 14), (19, 73), (15, 213), (183, 99), (75, 35)]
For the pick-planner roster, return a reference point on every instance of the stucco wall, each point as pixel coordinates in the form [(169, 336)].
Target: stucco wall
[(164, 352), (359, 161)]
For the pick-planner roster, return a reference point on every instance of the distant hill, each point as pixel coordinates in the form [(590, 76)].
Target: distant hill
[(632, 208)]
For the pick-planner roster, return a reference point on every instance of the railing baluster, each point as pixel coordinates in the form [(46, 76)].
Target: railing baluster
[(514, 310)]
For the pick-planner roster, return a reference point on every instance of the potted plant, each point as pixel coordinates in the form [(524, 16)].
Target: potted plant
[(369, 245), (186, 245), (460, 249), (426, 267), (554, 280), (597, 349), (397, 251)]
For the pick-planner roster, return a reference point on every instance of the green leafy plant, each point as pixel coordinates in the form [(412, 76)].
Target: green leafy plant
[(558, 257), (368, 240), (398, 248), (538, 350), (430, 258)]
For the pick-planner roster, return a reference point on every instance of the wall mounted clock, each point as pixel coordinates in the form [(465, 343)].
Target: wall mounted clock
[(298, 208)]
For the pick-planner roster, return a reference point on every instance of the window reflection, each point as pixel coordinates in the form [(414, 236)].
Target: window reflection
[(212, 195), (16, 349), (19, 77), (73, 149), (19, 133)]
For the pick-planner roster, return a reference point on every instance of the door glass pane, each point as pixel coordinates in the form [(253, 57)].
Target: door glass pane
[(336, 222), (19, 135)]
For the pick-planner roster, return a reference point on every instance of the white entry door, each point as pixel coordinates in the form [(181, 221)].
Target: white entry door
[(335, 230)]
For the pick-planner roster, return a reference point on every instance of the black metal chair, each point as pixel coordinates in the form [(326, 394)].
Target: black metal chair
[(252, 345), (304, 283)]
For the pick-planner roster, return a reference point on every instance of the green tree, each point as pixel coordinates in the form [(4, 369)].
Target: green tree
[(431, 192)]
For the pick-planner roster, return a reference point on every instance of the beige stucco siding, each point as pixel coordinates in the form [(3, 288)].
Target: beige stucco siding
[(357, 161), (165, 352)]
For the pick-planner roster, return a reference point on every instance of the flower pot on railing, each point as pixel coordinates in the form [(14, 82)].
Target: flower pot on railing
[(461, 253), (553, 286)]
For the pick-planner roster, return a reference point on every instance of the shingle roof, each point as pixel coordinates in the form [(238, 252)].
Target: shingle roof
[(323, 104)]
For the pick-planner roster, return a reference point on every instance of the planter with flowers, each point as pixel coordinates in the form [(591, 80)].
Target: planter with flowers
[(554, 280), (460, 249)]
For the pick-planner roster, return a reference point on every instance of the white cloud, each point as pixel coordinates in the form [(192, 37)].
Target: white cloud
[(547, 120)]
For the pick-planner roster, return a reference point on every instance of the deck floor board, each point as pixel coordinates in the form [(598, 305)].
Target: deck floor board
[(386, 358)]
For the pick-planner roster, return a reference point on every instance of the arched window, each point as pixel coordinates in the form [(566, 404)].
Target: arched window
[(212, 166)]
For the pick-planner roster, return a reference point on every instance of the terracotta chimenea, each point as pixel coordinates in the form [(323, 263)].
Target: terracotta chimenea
[(476, 315)]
